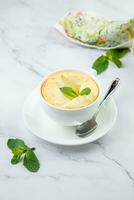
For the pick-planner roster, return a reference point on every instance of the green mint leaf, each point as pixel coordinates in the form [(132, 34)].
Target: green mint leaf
[(113, 55), (85, 91), (19, 148), (68, 91), (16, 145), (116, 53), (15, 159), (17, 151), (31, 162), (117, 62), (101, 64)]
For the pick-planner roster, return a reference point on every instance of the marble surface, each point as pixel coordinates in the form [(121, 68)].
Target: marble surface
[(31, 48)]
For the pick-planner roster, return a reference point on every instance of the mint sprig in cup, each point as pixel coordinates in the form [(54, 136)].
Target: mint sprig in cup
[(70, 93)]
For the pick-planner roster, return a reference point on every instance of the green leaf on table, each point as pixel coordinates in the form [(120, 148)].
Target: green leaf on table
[(118, 53), (85, 91), (100, 64), (114, 56), (30, 161), (16, 159), (117, 62), (16, 145), (19, 148), (68, 91)]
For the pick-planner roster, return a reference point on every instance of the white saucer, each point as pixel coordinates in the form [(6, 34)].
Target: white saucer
[(42, 126)]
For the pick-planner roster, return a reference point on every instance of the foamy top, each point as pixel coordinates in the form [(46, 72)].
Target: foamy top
[(69, 78)]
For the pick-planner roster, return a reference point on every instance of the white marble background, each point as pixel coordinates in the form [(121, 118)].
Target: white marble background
[(30, 48)]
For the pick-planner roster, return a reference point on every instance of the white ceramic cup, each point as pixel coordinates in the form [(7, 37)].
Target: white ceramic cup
[(70, 117)]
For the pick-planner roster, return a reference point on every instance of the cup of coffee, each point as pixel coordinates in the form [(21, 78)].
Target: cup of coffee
[(70, 97)]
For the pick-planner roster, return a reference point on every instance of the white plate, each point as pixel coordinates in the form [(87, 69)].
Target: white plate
[(42, 126), (58, 27)]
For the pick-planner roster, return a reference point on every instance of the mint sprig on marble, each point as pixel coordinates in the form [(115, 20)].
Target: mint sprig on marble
[(21, 152), (114, 55)]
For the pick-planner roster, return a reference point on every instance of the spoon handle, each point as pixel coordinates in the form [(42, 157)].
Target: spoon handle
[(111, 90)]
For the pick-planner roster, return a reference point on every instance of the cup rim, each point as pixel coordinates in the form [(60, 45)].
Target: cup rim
[(67, 109)]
